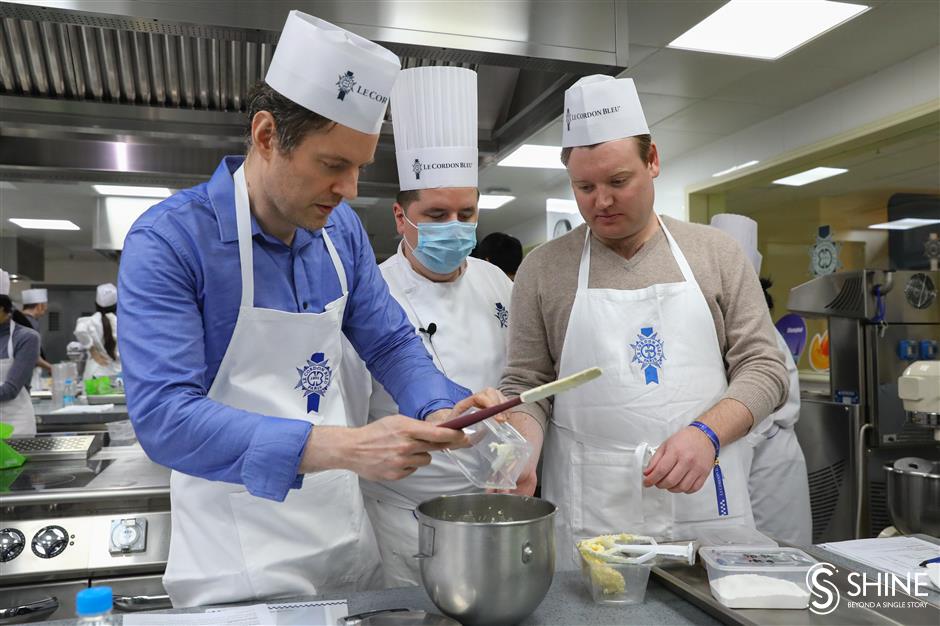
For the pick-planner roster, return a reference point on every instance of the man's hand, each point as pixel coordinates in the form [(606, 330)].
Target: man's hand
[(482, 399), (387, 449), (529, 428), (532, 431), (682, 463)]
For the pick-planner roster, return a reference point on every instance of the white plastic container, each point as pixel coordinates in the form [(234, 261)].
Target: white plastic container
[(758, 577), (497, 456)]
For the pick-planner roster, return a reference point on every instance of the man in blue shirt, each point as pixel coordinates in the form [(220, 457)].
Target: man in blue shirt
[(234, 298)]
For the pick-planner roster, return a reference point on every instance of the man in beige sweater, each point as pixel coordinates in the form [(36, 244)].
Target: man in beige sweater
[(674, 315)]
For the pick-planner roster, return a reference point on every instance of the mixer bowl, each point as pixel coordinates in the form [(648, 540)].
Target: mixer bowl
[(486, 558), (914, 495)]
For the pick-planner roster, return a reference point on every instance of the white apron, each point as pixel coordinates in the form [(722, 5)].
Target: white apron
[(228, 545), (778, 483), (469, 345), (17, 412), (662, 369)]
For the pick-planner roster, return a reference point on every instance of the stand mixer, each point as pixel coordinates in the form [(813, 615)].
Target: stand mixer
[(913, 482), (919, 390)]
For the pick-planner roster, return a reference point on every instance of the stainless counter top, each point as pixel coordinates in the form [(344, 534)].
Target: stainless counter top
[(691, 583), (120, 472), (45, 415)]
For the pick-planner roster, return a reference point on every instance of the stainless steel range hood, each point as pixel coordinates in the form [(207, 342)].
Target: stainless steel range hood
[(153, 92)]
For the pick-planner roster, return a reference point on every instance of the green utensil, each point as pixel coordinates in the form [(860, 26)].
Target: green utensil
[(9, 458)]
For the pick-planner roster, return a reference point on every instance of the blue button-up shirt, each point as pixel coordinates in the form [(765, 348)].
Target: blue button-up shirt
[(180, 290)]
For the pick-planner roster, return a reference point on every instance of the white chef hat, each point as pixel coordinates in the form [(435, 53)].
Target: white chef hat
[(106, 295), (601, 108), (434, 116), (4, 283), (35, 296), (744, 230), (333, 72)]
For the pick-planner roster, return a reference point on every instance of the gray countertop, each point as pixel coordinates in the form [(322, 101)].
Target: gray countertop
[(568, 603), (45, 415), (675, 595)]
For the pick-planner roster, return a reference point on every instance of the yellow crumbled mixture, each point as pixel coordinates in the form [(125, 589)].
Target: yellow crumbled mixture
[(608, 579)]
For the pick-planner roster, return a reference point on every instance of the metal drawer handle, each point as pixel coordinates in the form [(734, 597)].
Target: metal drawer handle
[(142, 603), (32, 612)]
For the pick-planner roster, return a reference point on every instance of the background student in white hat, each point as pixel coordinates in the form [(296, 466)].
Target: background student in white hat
[(452, 301), (97, 334), (19, 349), (675, 316), (35, 305), (778, 482), (235, 297)]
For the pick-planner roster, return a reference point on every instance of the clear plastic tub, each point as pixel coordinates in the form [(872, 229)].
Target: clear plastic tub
[(121, 433), (497, 456), (618, 581), (758, 577), (736, 535)]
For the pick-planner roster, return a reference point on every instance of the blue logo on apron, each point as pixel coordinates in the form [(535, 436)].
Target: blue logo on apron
[(315, 379), (502, 314), (648, 352)]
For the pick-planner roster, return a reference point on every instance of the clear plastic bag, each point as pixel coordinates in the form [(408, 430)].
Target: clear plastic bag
[(497, 456)]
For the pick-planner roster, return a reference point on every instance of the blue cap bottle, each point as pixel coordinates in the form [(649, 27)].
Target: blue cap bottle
[(93, 602)]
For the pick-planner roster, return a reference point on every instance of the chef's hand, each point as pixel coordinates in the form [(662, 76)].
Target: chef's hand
[(533, 433), (482, 399), (682, 463), (387, 449)]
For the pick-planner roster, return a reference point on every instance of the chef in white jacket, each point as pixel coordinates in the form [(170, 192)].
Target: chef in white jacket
[(98, 335), (457, 305), (778, 481)]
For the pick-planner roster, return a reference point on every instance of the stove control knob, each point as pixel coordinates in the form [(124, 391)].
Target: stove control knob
[(50, 541), (128, 535), (12, 542)]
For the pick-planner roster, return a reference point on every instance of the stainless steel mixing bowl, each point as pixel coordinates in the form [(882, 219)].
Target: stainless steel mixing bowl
[(914, 495), (486, 558)]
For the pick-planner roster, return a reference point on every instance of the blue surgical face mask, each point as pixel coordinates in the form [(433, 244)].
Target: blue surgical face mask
[(443, 246)]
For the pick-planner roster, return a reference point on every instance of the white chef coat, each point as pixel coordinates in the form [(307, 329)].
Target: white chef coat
[(471, 319), (89, 332), (778, 483)]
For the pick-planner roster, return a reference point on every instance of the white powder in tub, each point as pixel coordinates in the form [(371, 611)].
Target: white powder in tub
[(753, 591)]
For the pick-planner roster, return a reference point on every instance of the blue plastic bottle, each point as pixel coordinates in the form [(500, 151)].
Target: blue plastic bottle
[(69, 396), (93, 606)]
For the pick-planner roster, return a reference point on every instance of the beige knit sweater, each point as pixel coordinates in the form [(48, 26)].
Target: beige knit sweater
[(545, 287)]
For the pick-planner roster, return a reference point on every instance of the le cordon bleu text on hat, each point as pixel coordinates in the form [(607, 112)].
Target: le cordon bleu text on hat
[(333, 72), (434, 117), (601, 108)]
